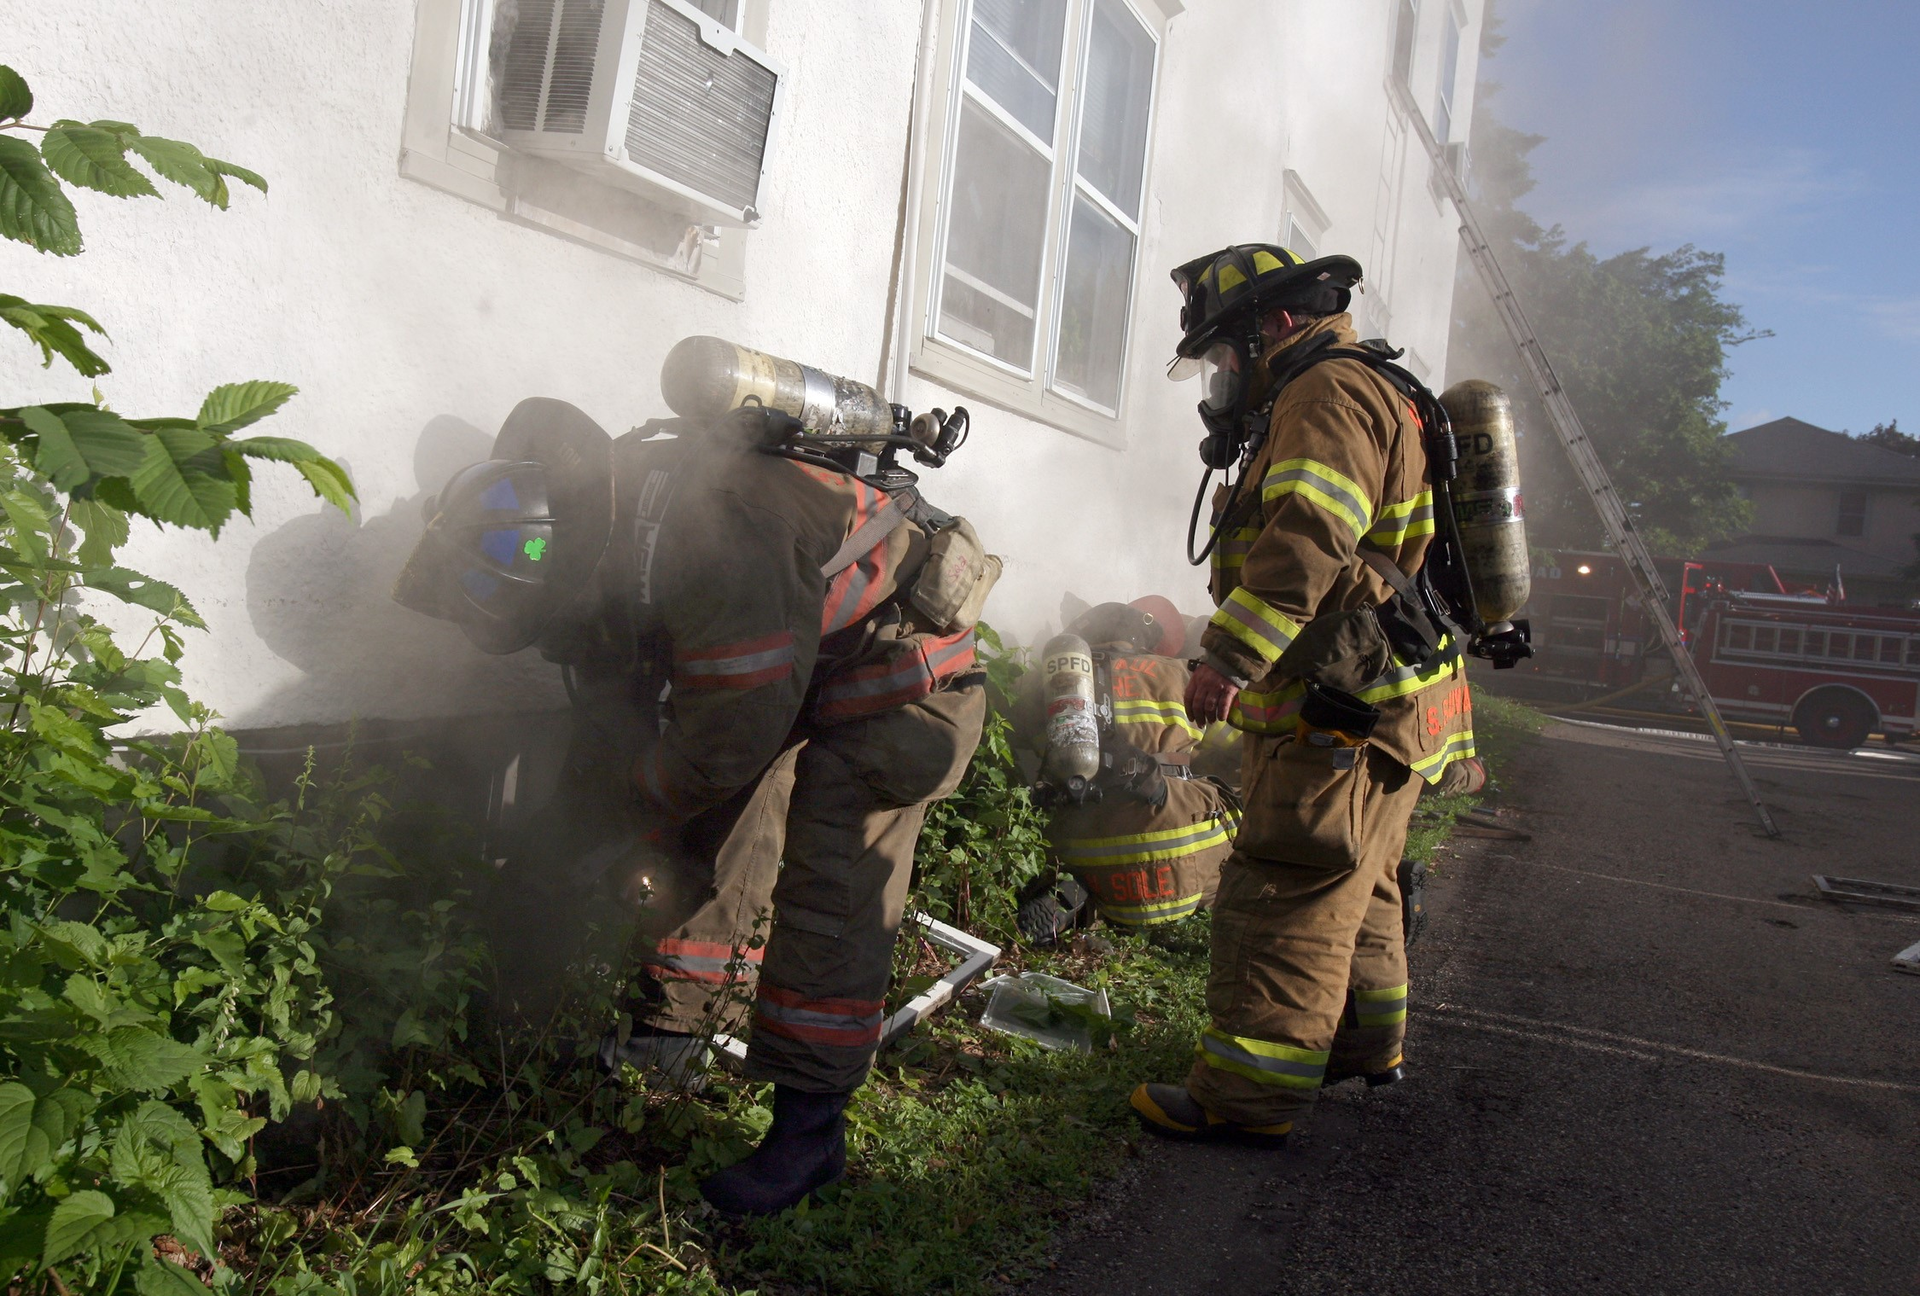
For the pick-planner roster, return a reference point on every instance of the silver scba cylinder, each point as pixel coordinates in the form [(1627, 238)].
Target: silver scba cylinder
[(1486, 498), (706, 378), (1073, 719)]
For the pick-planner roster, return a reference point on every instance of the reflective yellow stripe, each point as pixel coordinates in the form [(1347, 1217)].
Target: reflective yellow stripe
[(1147, 711), (1381, 1007), (1253, 623), (1402, 680), (1144, 848), (1231, 550), (1265, 261), (1458, 747), (1261, 1061), (1149, 914), (1401, 522), (1327, 487), (1268, 713)]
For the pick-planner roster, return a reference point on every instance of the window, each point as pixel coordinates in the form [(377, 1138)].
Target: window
[(1296, 239), (1038, 219), (1851, 518), (1406, 24), (1449, 75), (453, 136)]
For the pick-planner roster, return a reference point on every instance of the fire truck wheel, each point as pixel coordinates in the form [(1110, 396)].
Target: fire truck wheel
[(1833, 718)]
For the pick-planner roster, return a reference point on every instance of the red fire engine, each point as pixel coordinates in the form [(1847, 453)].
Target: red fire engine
[(1836, 674)]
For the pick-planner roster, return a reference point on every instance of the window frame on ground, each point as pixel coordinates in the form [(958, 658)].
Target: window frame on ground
[(1070, 365)]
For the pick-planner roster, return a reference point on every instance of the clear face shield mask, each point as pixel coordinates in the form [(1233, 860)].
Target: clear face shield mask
[(1222, 370)]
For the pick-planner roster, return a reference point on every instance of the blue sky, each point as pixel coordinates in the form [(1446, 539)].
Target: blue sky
[(1785, 135)]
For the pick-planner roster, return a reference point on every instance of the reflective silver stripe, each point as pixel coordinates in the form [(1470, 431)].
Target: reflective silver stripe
[(745, 664), (1295, 1073), (1324, 486)]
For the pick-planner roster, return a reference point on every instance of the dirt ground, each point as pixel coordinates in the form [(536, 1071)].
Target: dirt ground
[(1645, 1057)]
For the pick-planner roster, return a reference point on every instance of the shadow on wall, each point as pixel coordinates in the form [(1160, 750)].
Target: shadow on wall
[(319, 593)]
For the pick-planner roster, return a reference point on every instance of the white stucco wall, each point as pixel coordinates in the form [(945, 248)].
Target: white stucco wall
[(413, 320)]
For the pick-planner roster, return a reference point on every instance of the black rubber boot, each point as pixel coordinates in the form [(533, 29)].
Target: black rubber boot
[(806, 1149), (1392, 1075)]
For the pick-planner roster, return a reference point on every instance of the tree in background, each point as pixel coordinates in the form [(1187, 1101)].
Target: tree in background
[(1639, 340), (1888, 436)]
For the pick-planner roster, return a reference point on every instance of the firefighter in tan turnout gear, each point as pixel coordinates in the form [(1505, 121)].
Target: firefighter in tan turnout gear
[(1351, 699), (808, 620), (1145, 837)]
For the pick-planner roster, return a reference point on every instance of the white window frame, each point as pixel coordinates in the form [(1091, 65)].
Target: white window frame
[(443, 144), (1446, 98), (1302, 212), (954, 363)]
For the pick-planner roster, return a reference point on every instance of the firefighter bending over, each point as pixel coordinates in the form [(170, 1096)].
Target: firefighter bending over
[(1322, 653), (808, 619), (1145, 835)]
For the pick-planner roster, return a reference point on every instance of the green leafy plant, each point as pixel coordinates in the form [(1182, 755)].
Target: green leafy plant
[(153, 1015), (984, 843)]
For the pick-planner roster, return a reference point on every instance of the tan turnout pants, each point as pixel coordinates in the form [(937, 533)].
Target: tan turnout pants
[(807, 945), (1147, 866), (1309, 971)]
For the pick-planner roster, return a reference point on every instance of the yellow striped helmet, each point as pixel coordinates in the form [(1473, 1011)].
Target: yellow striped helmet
[(1230, 284)]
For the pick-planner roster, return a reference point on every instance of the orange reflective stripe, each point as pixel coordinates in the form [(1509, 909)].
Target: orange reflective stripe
[(747, 664)]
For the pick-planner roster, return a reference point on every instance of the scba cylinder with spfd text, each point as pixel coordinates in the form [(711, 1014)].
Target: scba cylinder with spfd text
[(1073, 717), (707, 378), (1486, 498)]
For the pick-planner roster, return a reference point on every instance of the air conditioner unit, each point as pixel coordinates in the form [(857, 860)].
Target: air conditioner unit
[(652, 96)]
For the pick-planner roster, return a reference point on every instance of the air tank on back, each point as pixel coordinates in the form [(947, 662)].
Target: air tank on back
[(1073, 719), (1486, 498), (705, 378)]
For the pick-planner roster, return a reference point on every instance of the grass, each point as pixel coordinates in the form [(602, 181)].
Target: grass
[(968, 1148)]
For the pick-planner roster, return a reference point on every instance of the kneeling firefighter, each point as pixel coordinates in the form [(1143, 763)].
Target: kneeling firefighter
[(772, 633), (1345, 602), (1127, 818)]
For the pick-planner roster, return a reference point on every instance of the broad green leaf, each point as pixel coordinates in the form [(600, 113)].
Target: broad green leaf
[(170, 490), (240, 173), (183, 164), (22, 1235), (16, 100), (157, 1151), (75, 945), (51, 328), (233, 406), (104, 526), (33, 209), (157, 1277), (330, 482), (224, 902), (93, 159), (16, 1133), (75, 1222), (280, 449), (83, 443), (138, 1059), (145, 591)]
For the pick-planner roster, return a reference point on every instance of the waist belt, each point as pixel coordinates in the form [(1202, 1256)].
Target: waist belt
[(1175, 768)]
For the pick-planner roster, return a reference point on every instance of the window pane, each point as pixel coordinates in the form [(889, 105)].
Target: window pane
[(1449, 68), (1852, 519), (724, 12), (1093, 306), (1405, 20), (1013, 54), (996, 234), (1297, 242), (1113, 105)]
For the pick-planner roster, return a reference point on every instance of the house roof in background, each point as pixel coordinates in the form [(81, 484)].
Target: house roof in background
[(1790, 448), (1808, 556)]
